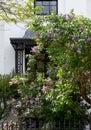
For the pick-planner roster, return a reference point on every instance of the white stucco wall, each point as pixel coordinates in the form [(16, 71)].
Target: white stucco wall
[(88, 8), (79, 6), (7, 54), (1, 47)]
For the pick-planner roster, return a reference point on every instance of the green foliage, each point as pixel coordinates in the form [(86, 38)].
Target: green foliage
[(4, 93), (51, 89), (66, 41)]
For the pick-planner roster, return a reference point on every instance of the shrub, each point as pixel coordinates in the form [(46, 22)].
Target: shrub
[(56, 87)]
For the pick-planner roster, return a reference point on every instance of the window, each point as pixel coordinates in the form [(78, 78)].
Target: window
[(49, 6)]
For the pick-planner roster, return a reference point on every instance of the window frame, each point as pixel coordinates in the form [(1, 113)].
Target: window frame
[(47, 5)]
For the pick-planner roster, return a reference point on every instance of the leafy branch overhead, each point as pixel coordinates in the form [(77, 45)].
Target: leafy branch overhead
[(17, 10)]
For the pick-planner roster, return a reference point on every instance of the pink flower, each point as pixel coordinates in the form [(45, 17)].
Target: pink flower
[(73, 46), (5, 126), (13, 82), (51, 30), (19, 103), (37, 99), (19, 90), (35, 49), (31, 102), (10, 83), (16, 82), (13, 110), (26, 96), (27, 101), (13, 100), (44, 89), (57, 29), (47, 81), (7, 102)]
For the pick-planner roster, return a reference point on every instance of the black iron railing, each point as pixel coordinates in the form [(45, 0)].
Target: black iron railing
[(54, 125)]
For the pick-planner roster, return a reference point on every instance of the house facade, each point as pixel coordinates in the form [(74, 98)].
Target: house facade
[(15, 40)]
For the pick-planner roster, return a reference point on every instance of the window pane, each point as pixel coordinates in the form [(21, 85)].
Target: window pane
[(52, 2), (38, 3), (40, 11), (46, 3), (52, 9), (46, 10)]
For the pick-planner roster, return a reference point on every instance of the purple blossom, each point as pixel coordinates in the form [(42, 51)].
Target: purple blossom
[(35, 49), (74, 38), (87, 40), (81, 28), (13, 110), (50, 35), (37, 34), (73, 46), (79, 50), (68, 16)]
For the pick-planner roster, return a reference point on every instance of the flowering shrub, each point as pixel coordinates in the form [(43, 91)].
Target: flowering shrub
[(60, 70), (67, 41), (29, 99)]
